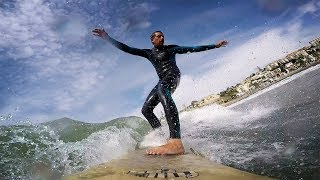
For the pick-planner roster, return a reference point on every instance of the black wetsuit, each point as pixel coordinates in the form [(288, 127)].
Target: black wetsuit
[(164, 61)]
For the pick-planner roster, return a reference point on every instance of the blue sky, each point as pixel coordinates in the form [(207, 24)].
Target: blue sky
[(51, 66)]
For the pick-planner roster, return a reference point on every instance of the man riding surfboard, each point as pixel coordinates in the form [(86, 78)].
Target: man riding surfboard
[(163, 59)]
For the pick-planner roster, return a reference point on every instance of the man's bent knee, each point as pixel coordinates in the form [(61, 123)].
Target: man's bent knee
[(146, 111)]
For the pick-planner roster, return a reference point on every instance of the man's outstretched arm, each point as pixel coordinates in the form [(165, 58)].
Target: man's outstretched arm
[(190, 49), (134, 51)]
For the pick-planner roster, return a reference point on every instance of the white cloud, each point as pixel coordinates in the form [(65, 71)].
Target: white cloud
[(134, 16), (73, 30), (310, 7), (26, 26), (68, 76)]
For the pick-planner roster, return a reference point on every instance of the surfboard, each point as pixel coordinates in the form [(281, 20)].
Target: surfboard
[(137, 165)]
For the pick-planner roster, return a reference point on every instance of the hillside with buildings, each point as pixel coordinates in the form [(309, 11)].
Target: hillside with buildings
[(274, 72)]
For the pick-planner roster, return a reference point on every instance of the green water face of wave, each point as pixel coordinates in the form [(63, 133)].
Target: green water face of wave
[(56, 147), (71, 131)]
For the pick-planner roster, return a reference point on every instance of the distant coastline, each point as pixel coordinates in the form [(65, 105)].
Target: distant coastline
[(273, 73)]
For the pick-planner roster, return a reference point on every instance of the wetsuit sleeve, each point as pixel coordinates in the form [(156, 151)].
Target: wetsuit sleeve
[(190, 49), (127, 49)]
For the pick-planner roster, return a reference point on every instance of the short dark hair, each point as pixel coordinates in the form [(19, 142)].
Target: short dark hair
[(154, 33)]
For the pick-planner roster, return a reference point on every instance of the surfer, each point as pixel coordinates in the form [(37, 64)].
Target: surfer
[(163, 59)]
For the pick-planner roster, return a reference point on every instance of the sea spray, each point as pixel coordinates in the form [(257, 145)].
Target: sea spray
[(57, 148), (154, 138), (214, 131)]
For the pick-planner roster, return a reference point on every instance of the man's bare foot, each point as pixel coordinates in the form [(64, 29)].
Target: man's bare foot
[(173, 146)]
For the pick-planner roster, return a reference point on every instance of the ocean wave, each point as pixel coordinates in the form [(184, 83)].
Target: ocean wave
[(64, 146)]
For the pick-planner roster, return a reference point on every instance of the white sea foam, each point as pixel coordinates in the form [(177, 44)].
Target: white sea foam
[(99, 147), (106, 145), (215, 117), (195, 124), (156, 137)]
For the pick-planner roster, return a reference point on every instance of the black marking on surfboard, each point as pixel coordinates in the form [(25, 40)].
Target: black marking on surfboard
[(164, 173)]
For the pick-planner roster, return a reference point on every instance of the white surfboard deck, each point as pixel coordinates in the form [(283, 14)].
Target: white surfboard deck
[(137, 165)]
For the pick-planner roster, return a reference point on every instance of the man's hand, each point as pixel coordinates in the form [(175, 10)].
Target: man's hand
[(101, 33), (222, 43)]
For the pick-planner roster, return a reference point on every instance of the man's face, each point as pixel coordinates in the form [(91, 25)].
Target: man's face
[(158, 39)]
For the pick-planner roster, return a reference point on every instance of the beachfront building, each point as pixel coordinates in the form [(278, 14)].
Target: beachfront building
[(243, 87), (314, 49), (315, 42)]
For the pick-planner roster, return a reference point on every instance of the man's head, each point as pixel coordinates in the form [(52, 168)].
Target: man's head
[(157, 38)]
